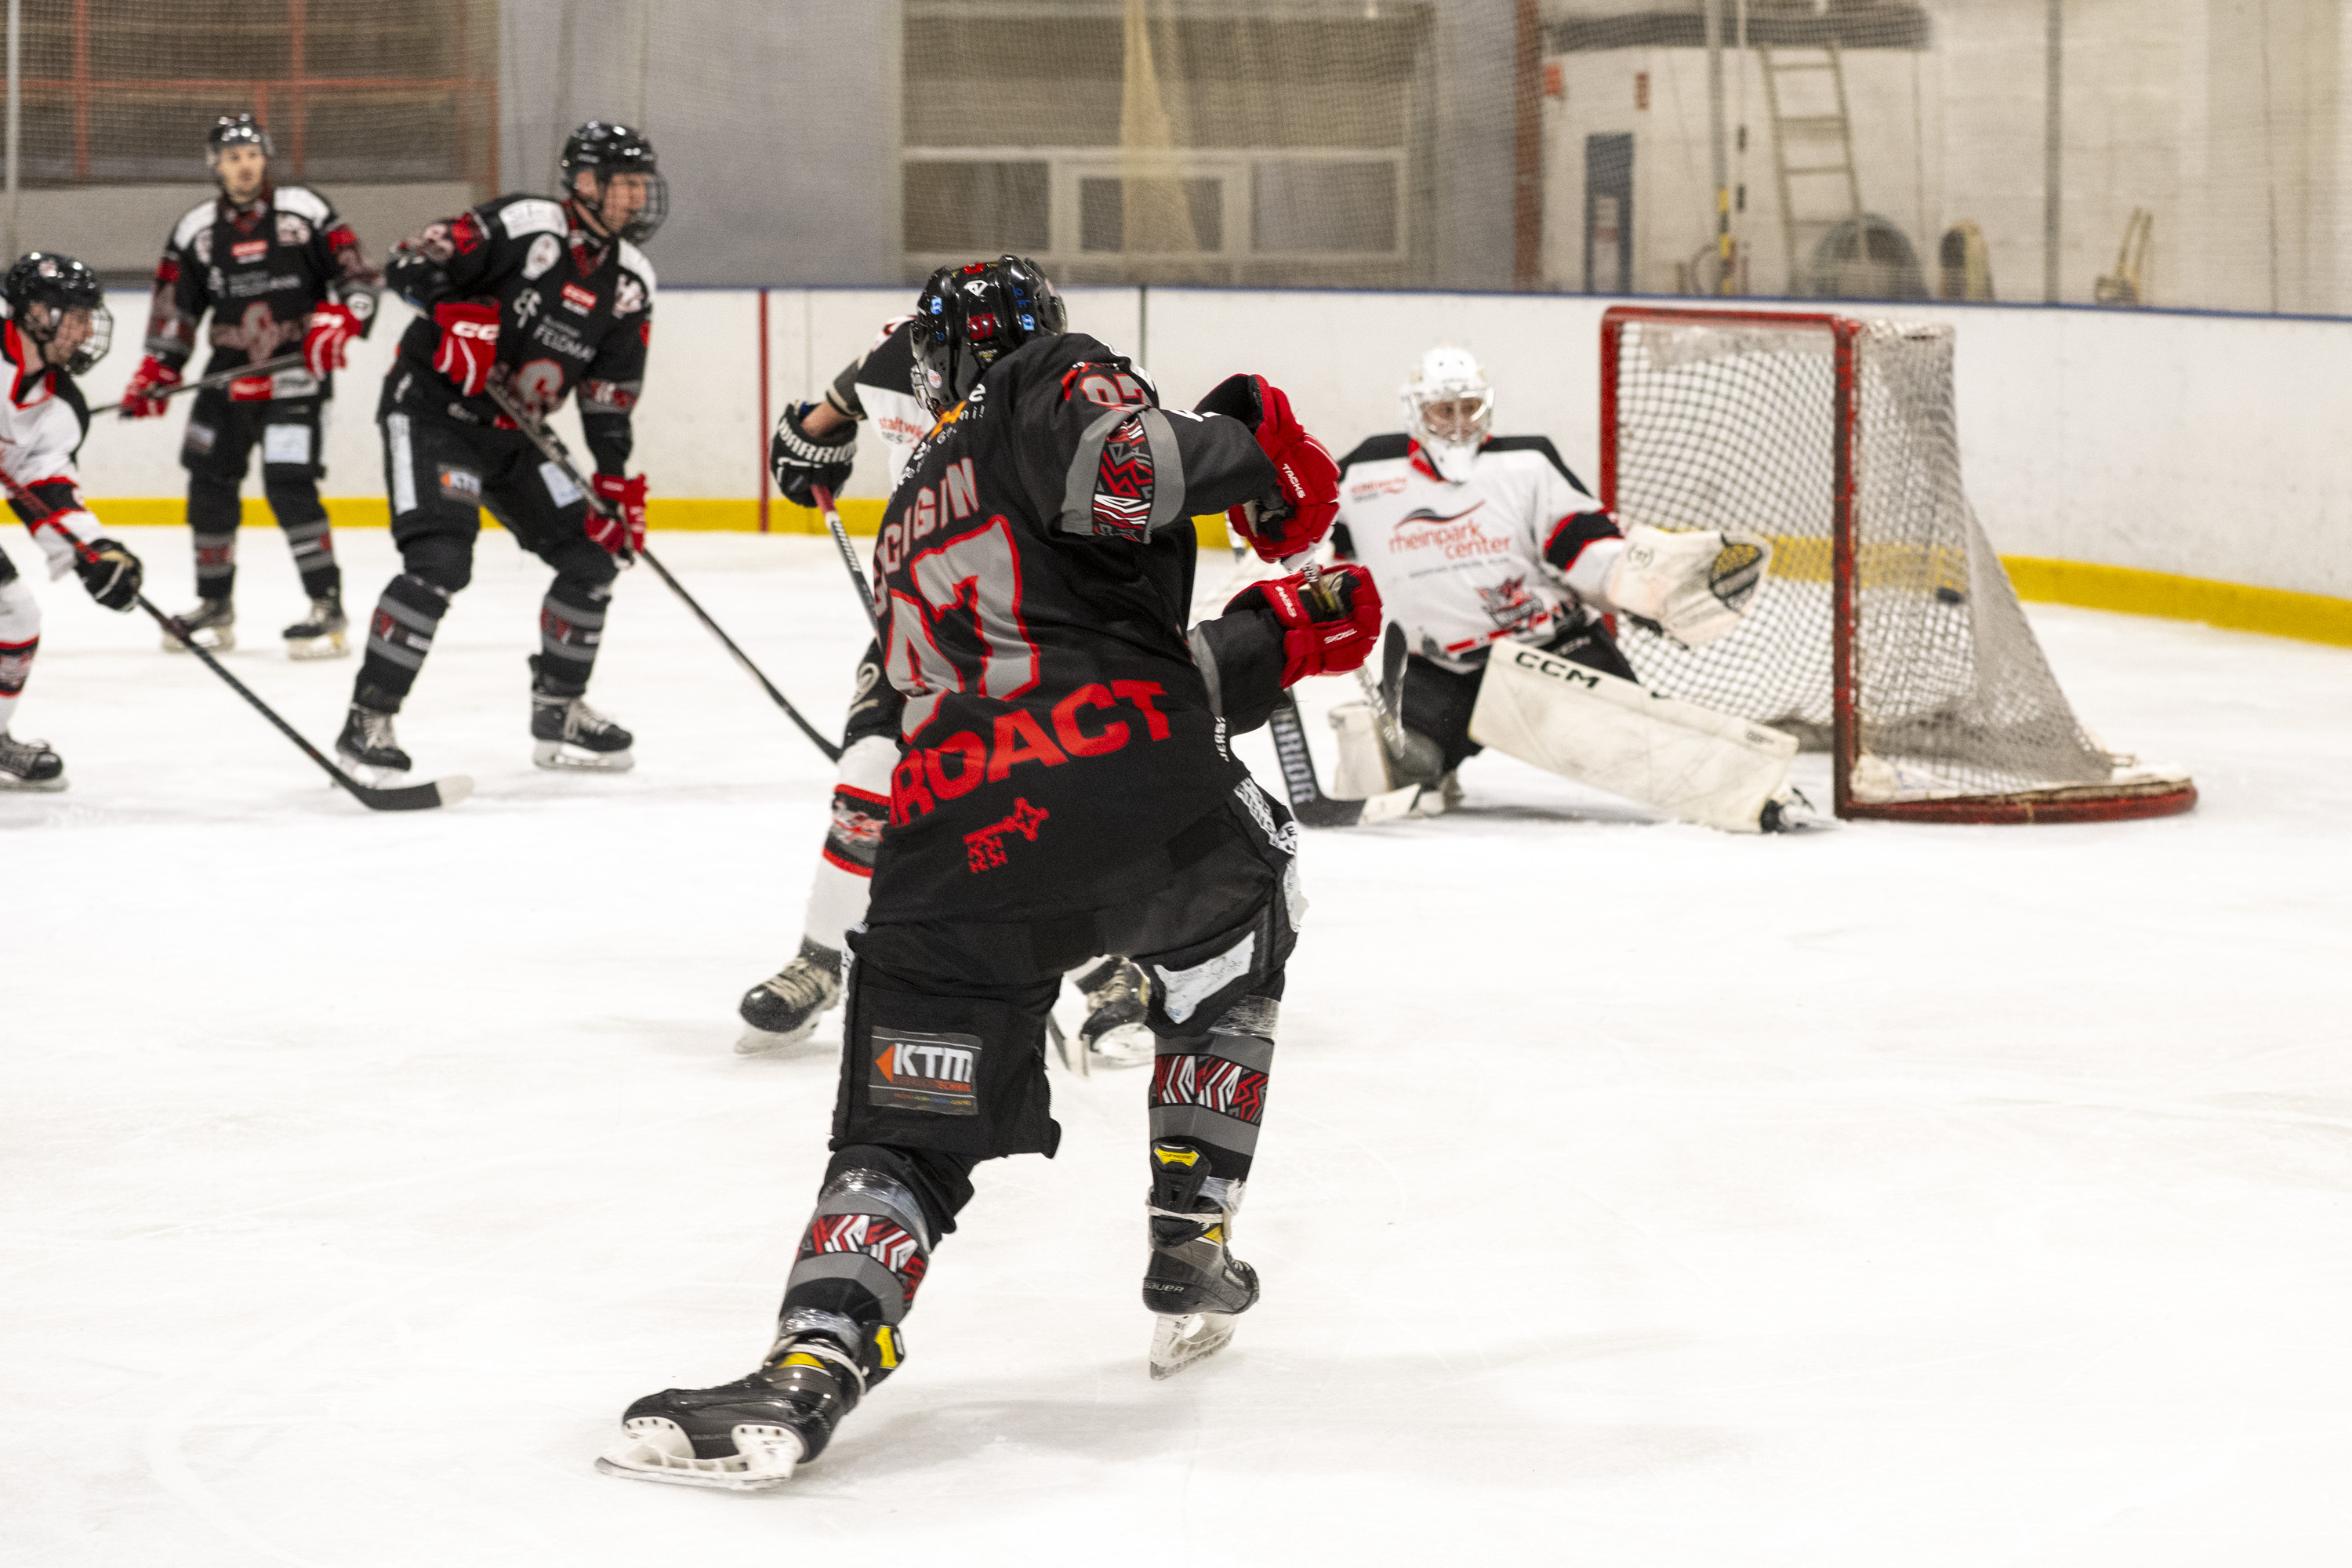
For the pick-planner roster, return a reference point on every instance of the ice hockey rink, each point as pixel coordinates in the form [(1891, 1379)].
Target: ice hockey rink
[(1630, 1193)]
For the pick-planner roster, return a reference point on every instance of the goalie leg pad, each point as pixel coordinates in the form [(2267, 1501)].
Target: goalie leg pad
[(1613, 734)]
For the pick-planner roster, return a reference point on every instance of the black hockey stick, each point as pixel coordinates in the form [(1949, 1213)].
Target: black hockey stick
[(1309, 803), (407, 797), (553, 450), (833, 525), (218, 378)]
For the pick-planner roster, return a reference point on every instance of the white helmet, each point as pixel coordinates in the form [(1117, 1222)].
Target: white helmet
[(1448, 408)]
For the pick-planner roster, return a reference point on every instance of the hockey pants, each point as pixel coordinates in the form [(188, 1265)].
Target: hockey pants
[(217, 450), (943, 1057), (440, 474)]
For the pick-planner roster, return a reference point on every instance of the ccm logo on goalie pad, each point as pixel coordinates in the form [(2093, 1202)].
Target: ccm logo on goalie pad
[(912, 1071)]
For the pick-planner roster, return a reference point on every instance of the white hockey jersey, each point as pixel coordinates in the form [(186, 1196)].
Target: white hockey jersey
[(1511, 553), (880, 388), (42, 421)]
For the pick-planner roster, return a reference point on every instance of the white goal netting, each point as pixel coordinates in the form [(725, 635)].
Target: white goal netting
[(1740, 423)]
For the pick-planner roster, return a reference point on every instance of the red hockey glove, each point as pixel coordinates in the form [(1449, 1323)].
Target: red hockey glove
[(328, 342), (1306, 481), (1327, 630), (470, 344), (624, 532), (137, 399)]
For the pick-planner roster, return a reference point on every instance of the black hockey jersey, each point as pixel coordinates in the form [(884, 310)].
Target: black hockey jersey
[(572, 310), (1037, 564), (260, 270)]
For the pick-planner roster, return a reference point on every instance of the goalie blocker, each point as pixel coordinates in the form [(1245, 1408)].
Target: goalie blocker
[(1614, 735)]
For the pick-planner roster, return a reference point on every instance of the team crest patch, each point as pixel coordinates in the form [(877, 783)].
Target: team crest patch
[(914, 1070), (1122, 505), (544, 252)]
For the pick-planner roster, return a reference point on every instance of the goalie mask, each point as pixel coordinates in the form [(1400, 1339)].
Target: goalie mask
[(60, 305), (629, 197), (1448, 409), (967, 317)]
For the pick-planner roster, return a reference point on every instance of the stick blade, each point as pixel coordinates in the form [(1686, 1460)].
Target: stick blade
[(415, 797)]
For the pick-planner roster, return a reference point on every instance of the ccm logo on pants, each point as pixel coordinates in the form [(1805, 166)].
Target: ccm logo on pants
[(932, 1072)]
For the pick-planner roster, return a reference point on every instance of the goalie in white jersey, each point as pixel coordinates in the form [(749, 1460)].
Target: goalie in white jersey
[(1477, 540)]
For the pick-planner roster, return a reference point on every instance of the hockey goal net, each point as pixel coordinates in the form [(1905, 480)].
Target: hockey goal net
[(1885, 630)]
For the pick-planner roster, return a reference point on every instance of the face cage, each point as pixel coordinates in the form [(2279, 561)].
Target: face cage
[(1450, 455), (640, 229), (91, 349)]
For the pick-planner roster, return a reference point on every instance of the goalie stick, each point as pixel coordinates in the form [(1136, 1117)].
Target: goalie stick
[(218, 378), (407, 797), (1309, 803), (553, 450)]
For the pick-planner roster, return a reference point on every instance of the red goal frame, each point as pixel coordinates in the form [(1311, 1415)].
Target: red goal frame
[(2071, 803)]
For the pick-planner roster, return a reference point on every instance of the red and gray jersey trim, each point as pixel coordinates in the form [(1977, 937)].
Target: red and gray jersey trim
[(1571, 533), (1127, 478)]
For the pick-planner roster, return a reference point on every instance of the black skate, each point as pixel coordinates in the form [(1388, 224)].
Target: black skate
[(368, 743), (211, 625), (320, 635), (745, 1436), (570, 734), (1114, 1034), (29, 764), (1193, 1281), (783, 1009)]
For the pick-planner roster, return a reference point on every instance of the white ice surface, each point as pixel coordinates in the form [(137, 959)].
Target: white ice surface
[(1630, 1193)]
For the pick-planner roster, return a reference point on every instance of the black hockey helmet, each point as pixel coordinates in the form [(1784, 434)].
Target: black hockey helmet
[(234, 130), (42, 288), (602, 148), (967, 317)]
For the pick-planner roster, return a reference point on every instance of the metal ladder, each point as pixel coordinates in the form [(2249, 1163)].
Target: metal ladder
[(1825, 143)]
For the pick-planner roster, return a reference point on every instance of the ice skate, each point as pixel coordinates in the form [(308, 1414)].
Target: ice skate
[(1790, 812), (368, 744), (747, 1436), (783, 1009), (1114, 1034), (570, 734), (211, 625), (320, 635), (29, 764), (1193, 1282)]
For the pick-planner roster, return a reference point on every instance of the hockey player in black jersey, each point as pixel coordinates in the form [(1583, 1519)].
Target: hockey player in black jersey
[(1065, 790), (816, 444), (277, 270), (543, 296), (54, 326)]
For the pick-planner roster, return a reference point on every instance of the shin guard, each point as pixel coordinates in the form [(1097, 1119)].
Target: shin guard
[(400, 633)]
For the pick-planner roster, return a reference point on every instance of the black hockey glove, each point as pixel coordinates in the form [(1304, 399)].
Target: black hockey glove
[(112, 573), (801, 461)]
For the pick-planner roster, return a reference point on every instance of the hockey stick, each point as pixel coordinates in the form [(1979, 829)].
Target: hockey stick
[(407, 797), (553, 450), (218, 378), (833, 525), (1309, 803)]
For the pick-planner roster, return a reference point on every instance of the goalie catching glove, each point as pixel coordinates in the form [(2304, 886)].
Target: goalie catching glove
[(1329, 628), (801, 461), (1693, 587), (1306, 481)]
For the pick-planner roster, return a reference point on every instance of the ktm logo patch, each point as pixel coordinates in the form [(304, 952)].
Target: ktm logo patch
[(921, 1070)]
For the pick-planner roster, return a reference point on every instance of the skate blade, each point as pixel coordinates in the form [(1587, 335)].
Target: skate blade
[(1178, 1340), (211, 640), (332, 647), (656, 1449), (756, 1041), (1127, 1045), (32, 787), (558, 757)]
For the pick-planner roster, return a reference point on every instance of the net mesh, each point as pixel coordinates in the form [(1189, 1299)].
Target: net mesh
[(1736, 426), (2183, 156)]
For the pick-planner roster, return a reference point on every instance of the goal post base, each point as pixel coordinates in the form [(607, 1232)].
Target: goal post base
[(2095, 803)]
